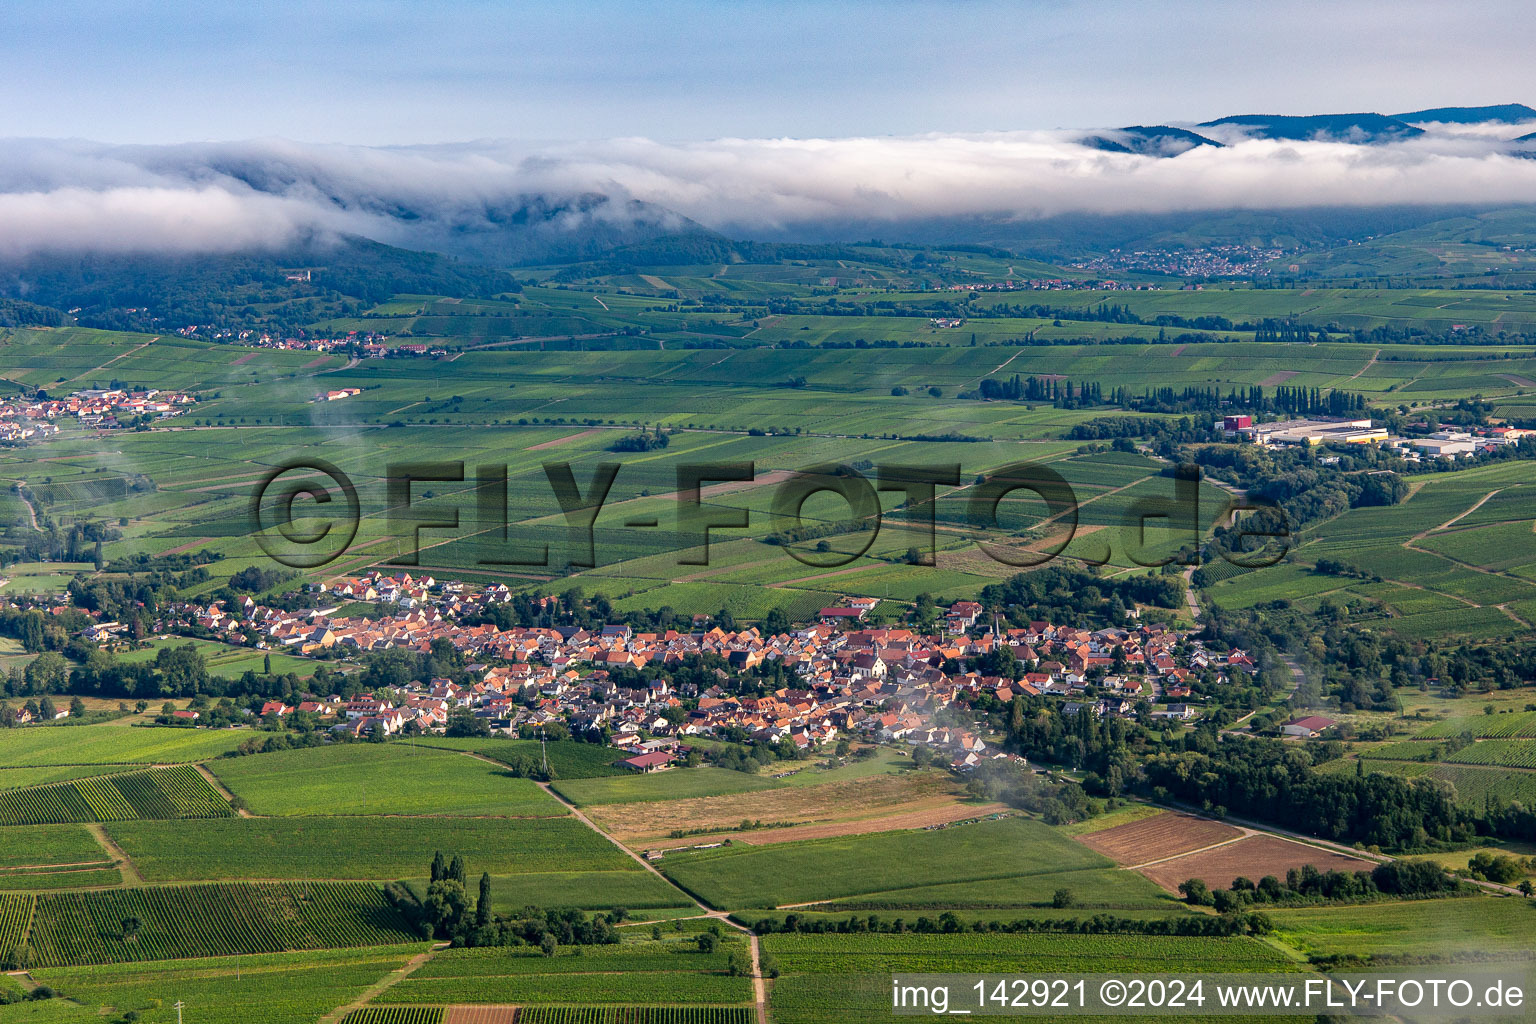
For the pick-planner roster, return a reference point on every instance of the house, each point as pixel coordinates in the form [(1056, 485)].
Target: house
[(1178, 712), (1308, 727), (655, 761), (185, 716)]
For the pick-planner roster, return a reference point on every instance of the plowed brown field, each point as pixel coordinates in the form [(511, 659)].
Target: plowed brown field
[(481, 1015), (1253, 858), (1164, 835)]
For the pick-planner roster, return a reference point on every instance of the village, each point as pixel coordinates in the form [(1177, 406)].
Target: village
[(848, 679), (102, 408)]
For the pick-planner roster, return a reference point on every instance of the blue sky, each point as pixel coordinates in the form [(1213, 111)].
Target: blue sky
[(373, 72)]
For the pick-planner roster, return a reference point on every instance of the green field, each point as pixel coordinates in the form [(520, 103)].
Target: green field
[(274, 988), (567, 759), (831, 978), (359, 848), (112, 743), (369, 778), (669, 970), (677, 784), (884, 863), (1447, 929)]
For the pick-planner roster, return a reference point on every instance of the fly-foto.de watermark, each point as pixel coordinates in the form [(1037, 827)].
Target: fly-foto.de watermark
[(305, 513)]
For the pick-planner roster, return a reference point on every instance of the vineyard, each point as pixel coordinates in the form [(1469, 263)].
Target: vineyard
[(1474, 784), (156, 793), (1502, 753), (636, 1015), (210, 920), (396, 1015), (1518, 723), (15, 916)]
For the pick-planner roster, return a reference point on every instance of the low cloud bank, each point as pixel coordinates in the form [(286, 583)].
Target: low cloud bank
[(64, 195)]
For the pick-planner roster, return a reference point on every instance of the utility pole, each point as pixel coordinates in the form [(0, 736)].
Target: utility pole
[(543, 752), (178, 1004)]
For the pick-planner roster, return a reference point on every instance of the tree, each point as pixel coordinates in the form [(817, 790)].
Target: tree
[(483, 905), (76, 707), (462, 722), (266, 664), (46, 672), (131, 926), (445, 908), (45, 706), (547, 944), (439, 867), (456, 869), (1196, 892), (1062, 898)]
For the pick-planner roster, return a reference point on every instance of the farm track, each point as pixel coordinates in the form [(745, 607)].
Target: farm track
[(383, 985), (759, 989), (1367, 366), (114, 359), (125, 865), (213, 780)]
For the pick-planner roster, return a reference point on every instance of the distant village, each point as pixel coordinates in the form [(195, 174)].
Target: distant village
[(851, 679), (22, 419)]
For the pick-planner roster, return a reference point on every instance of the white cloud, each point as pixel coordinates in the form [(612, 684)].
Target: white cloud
[(72, 195)]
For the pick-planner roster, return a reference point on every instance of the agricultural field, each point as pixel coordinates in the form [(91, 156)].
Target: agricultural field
[(834, 978), (156, 793), (274, 988), (1252, 857), (353, 847), (500, 401), (676, 784), (811, 810), (401, 778), (667, 970), (886, 862), (1450, 929), (635, 1015), (1473, 786), (1457, 558), (112, 743), (1158, 838), (175, 922), (567, 759)]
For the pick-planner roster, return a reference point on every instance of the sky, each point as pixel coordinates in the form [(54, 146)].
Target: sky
[(384, 72), (216, 126)]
